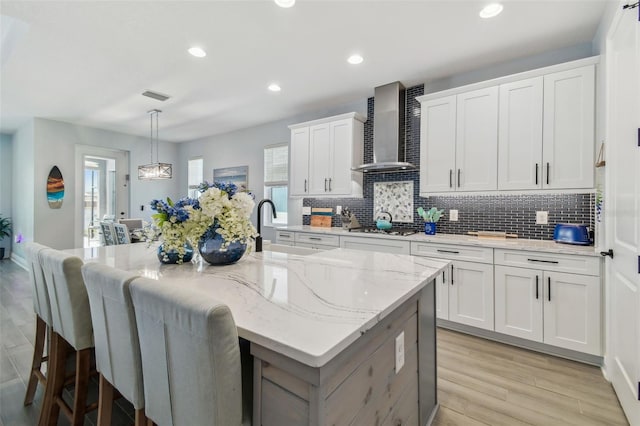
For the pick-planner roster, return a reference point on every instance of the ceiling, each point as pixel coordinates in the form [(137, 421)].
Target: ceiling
[(87, 62)]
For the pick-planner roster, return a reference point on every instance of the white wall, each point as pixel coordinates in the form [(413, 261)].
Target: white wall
[(22, 186), (6, 177), (245, 148), (545, 59), (54, 144)]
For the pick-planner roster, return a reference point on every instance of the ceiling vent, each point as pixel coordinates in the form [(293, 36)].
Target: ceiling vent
[(156, 95)]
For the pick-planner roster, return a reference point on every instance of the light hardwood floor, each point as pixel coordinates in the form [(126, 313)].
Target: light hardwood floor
[(479, 382)]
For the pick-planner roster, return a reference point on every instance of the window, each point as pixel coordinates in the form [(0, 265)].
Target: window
[(195, 176), (276, 181)]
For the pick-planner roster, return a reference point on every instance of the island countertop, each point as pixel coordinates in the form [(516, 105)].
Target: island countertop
[(309, 307)]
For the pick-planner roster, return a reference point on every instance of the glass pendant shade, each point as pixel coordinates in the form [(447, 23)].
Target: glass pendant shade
[(157, 170)]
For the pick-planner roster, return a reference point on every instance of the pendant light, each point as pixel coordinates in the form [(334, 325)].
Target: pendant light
[(157, 170)]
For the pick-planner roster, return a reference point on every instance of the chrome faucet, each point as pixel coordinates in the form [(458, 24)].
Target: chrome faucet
[(273, 208)]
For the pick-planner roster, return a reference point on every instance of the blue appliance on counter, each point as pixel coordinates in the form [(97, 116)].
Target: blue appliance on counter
[(569, 233)]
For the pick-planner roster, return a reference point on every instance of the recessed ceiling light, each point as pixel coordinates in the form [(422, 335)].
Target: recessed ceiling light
[(274, 87), (355, 59), (285, 3), (491, 10), (197, 52)]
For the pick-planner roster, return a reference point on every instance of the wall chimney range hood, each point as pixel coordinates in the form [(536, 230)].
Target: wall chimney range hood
[(389, 145)]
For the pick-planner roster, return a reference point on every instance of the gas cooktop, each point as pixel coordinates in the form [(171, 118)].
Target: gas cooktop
[(392, 231)]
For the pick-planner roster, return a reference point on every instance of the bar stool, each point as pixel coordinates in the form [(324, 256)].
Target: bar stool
[(42, 310), (72, 332), (116, 339), (190, 356)]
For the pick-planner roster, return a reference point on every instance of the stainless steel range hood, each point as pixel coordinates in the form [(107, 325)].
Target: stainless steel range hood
[(389, 143)]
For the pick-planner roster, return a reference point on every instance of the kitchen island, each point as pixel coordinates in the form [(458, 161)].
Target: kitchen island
[(337, 337)]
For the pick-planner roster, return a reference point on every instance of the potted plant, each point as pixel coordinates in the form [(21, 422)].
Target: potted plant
[(5, 231), (430, 218)]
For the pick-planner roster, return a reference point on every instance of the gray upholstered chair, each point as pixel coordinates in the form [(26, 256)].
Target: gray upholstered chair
[(190, 356), (42, 309), (116, 339), (121, 234), (72, 332)]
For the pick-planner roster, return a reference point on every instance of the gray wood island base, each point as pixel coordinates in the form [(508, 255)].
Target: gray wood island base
[(360, 386)]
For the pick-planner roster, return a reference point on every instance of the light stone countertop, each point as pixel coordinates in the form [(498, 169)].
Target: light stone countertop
[(308, 306), (459, 239)]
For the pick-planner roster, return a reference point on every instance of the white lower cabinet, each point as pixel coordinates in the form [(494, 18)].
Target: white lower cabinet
[(376, 244), (464, 293), (285, 238), (556, 308), (471, 294)]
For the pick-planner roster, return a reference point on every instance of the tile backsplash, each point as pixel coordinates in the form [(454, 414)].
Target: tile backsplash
[(511, 213)]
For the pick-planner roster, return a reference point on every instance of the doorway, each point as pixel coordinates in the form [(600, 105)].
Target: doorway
[(103, 194)]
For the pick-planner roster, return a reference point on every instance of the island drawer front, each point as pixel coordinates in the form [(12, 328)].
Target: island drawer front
[(285, 237), (453, 252), (317, 239), (570, 263), (376, 244)]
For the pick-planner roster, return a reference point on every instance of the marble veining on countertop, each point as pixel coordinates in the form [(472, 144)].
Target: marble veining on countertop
[(308, 306), (467, 240)]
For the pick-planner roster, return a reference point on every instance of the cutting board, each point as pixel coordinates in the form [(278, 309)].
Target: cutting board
[(321, 217)]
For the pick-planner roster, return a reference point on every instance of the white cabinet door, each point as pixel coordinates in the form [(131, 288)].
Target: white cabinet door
[(341, 135), (442, 294), (519, 302), (568, 130), (299, 167), (438, 145), (471, 294), (572, 312), (319, 158), (520, 135), (477, 140)]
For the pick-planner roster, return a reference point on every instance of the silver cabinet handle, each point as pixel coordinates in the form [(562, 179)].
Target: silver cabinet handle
[(447, 251), (450, 178), (537, 292), (325, 184), (315, 238), (536, 173), (305, 185), (329, 184), (451, 276), (285, 236), (458, 178)]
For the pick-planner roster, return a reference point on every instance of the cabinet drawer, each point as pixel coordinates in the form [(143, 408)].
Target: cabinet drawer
[(376, 244), (317, 239), (453, 252), (285, 237), (315, 246), (575, 264)]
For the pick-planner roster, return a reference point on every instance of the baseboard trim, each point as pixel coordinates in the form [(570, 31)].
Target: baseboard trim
[(20, 261), (598, 361)]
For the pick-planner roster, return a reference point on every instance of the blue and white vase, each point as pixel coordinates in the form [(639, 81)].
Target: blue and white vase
[(430, 228), (211, 248)]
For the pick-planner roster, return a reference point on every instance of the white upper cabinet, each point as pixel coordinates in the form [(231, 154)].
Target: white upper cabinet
[(438, 145), (322, 155), (529, 131), (520, 135), (477, 140), (568, 131), (299, 162), (459, 142)]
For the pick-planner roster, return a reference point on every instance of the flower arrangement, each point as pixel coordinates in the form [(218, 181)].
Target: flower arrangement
[(221, 206), (432, 215)]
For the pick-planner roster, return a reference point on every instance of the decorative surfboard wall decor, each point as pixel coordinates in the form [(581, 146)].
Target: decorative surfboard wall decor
[(55, 188)]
